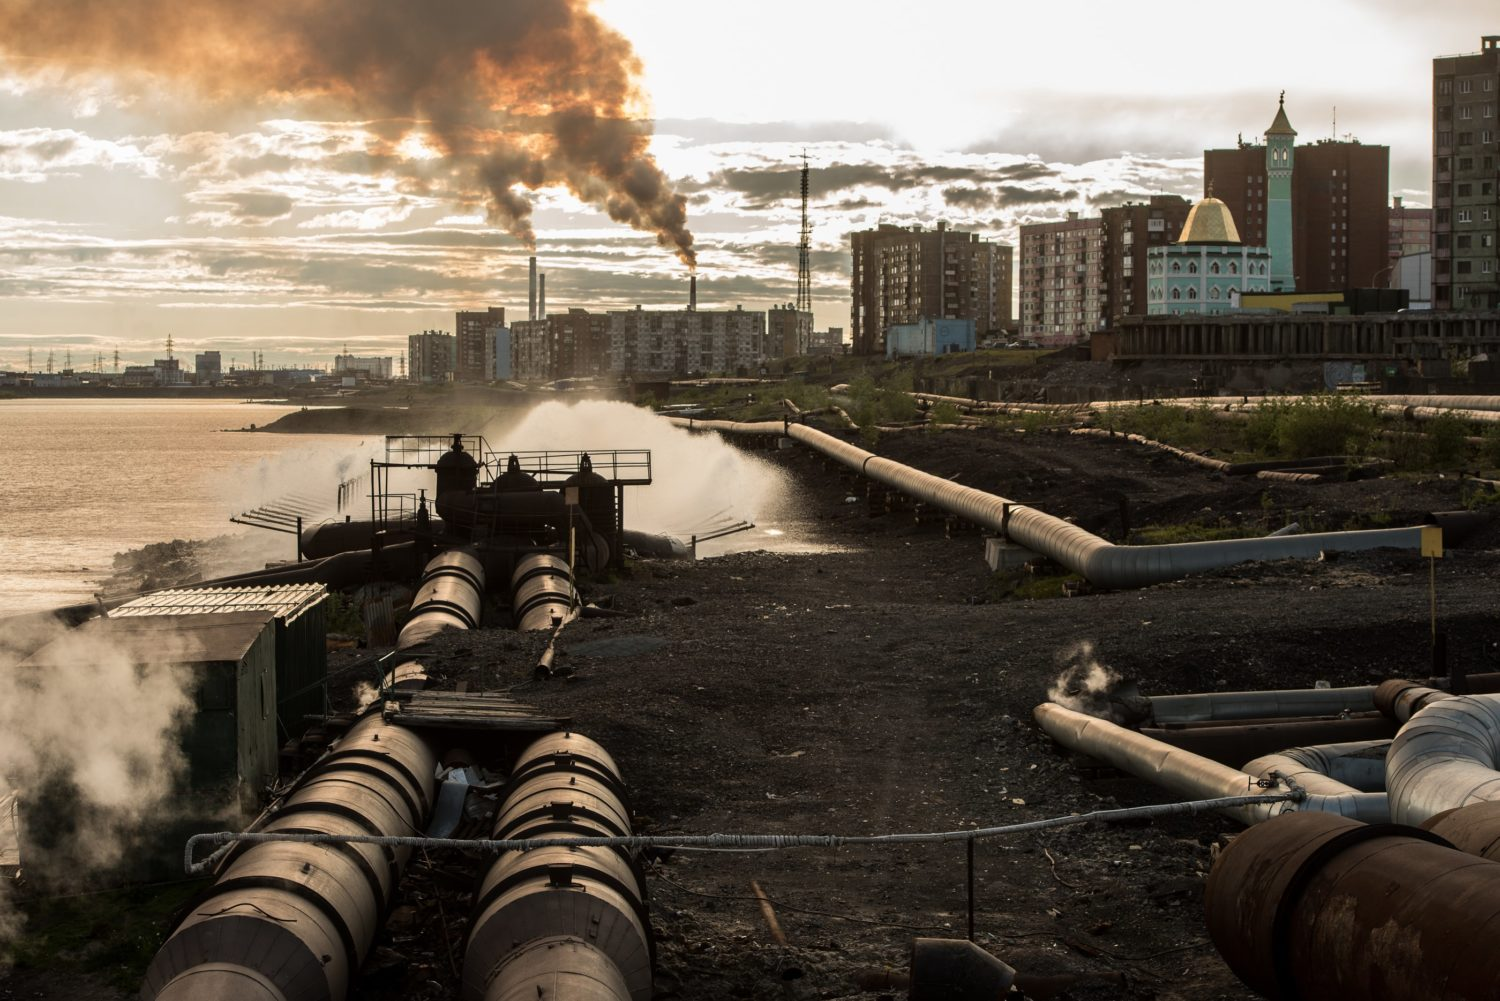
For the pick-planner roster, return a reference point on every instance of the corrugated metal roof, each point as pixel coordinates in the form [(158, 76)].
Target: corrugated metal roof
[(163, 638), (284, 601)]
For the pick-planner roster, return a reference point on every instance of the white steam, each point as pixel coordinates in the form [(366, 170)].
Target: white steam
[(1086, 685), (699, 482), (94, 732)]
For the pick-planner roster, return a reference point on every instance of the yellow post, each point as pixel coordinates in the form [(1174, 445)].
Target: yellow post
[(1432, 548)]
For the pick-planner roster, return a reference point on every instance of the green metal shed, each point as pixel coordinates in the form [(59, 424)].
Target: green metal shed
[(301, 613)]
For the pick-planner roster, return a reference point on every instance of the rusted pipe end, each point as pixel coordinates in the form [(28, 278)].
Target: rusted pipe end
[(1473, 829)]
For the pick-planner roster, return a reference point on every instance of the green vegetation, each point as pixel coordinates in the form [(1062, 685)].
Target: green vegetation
[(944, 413), (1024, 585), (1323, 425), (112, 934), (344, 615), (1194, 531)]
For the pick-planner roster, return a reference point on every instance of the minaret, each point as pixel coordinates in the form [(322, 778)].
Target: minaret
[(1280, 140)]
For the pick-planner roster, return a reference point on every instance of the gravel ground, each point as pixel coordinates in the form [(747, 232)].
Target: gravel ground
[(888, 688)]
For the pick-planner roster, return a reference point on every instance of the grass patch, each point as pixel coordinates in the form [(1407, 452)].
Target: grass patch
[(1023, 585), (1193, 531), (112, 935)]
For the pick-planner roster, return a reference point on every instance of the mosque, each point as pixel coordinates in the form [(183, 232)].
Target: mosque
[(1209, 268)]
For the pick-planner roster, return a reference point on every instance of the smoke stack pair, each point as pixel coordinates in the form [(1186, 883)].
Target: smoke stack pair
[(531, 300), (541, 297), (693, 292)]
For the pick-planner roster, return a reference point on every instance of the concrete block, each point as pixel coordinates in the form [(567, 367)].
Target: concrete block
[(1003, 555)]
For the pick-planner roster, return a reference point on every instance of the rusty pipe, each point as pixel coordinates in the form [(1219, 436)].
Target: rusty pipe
[(1312, 905)]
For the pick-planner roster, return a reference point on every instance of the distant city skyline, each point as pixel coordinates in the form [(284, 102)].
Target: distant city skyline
[(129, 212)]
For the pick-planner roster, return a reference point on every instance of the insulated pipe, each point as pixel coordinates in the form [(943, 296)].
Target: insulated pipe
[(293, 922), (542, 592), (1332, 770), (1445, 757), (1311, 906), (1182, 772), (450, 596), (561, 922), (1234, 743), (1287, 703), (1101, 563), (1400, 700)]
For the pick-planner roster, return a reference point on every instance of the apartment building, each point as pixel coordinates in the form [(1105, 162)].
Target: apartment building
[(902, 274), (686, 341), (1130, 231), (1063, 280), (475, 343), (1465, 181), (430, 356)]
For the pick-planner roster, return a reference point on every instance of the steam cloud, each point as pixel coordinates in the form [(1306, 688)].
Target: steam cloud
[(99, 740), (1089, 686), (516, 93)]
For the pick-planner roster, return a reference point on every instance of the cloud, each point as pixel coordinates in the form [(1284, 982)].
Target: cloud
[(32, 155)]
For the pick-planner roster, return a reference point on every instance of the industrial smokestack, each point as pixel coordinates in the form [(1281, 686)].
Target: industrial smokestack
[(531, 301), (692, 292), (541, 297)]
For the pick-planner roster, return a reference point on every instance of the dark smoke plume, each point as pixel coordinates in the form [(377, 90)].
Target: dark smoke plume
[(524, 93)]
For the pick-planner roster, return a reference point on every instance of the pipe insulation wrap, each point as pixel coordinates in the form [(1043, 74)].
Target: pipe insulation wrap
[(1188, 774), (291, 921), (1445, 757), (1288, 703), (1101, 563), (1331, 769)]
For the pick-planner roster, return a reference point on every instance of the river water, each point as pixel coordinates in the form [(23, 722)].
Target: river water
[(84, 479)]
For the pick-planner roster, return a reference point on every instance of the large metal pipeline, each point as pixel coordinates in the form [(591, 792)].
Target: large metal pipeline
[(1317, 906), (1445, 757), (1286, 703), (450, 596), (1332, 770), (1235, 743), (1188, 774), (1102, 563), (542, 592), (293, 922), (561, 922)]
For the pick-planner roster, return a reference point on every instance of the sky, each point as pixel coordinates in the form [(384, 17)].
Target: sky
[(138, 202)]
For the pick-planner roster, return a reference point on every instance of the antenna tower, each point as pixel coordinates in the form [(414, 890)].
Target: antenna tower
[(30, 365), (804, 251), (169, 345), (68, 358), (117, 359)]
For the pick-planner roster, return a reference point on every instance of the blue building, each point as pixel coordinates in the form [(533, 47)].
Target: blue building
[(929, 336), (1207, 269)]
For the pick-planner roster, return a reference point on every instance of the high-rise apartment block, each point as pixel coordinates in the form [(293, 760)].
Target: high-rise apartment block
[(1130, 231), (1465, 180), (475, 343), (686, 341), (1408, 231), (430, 356), (1063, 279), (1319, 208), (902, 274), (562, 346), (789, 331)]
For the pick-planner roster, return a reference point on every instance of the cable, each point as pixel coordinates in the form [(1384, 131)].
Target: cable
[(722, 841)]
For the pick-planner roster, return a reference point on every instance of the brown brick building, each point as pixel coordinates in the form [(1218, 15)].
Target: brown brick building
[(567, 345), (1339, 217), (475, 344), (1465, 180), (1129, 231), (902, 274)]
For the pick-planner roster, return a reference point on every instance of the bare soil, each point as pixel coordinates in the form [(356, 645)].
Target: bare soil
[(888, 687)]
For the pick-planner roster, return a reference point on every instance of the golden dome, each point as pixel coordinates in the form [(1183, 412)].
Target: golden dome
[(1209, 222)]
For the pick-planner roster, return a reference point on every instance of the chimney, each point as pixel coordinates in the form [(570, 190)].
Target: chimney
[(531, 301), (692, 292), (541, 297), (1398, 201)]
